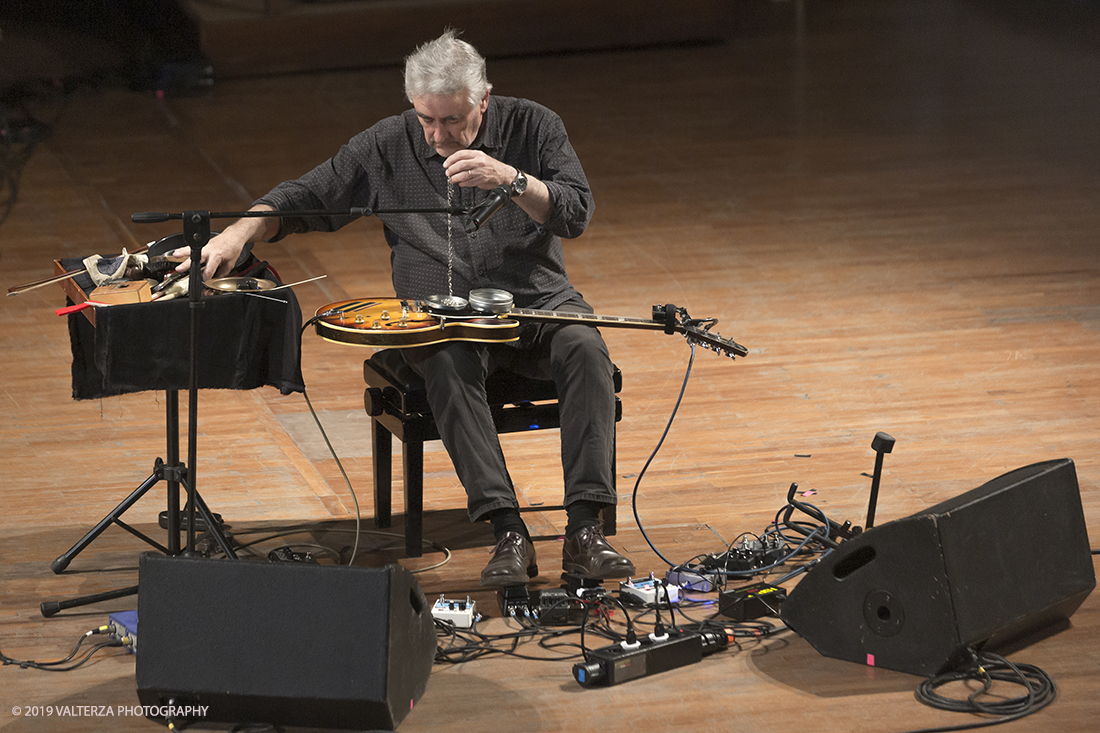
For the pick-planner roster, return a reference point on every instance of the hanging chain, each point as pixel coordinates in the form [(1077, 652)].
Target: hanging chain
[(450, 244)]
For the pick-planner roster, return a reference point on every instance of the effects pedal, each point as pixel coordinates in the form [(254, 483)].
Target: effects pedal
[(555, 607), (516, 602), (579, 586), (693, 578), (122, 626), (287, 554), (460, 614), (549, 607), (649, 591), (749, 555), (751, 602)]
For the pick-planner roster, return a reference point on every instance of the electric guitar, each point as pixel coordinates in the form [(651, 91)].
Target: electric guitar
[(394, 323)]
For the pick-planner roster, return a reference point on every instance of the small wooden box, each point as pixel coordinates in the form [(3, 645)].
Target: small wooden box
[(74, 291), (127, 291)]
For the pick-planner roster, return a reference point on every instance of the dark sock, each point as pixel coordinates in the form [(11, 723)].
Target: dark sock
[(582, 514), (507, 519)]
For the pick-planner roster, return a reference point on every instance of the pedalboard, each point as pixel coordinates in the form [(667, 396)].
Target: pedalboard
[(751, 601), (460, 614)]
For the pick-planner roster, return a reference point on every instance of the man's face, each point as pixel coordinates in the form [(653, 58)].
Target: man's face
[(450, 123)]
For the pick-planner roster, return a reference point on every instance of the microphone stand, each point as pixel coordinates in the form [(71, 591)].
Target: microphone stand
[(196, 232)]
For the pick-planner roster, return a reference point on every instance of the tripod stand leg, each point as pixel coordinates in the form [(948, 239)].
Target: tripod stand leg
[(213, 526), (63, 561), (49, 608)]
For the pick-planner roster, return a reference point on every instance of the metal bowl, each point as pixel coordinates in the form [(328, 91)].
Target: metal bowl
[(240, 284)]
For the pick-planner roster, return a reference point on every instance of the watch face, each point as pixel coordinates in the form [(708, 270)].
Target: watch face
[(519, 185)]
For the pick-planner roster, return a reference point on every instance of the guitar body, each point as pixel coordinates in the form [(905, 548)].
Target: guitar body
[(392, 323)]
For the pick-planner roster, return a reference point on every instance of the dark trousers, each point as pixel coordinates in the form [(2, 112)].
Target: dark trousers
[(575, 357)]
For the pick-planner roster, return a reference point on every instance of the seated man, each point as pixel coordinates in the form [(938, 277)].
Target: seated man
[(456, 143)]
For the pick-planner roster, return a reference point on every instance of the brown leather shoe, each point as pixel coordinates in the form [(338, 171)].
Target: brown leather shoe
[(589, 555), (513, 561)]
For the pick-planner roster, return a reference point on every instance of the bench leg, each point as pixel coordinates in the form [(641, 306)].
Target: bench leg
[(609, 512), (383, 479), (412, 453)]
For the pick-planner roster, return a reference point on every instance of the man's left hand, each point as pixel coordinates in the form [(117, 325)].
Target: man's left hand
[(473, 168)]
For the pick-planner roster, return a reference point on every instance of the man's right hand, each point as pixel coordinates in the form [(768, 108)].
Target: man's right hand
[(221, 253)]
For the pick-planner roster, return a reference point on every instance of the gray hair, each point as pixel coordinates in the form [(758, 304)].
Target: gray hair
[(445, 67)]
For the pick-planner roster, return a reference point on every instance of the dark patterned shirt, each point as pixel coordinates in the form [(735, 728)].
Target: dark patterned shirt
[(391, 166)]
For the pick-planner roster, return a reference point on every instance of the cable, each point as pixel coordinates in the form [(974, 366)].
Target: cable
[(802, 569), (318, 526), (56, 665), (638, 482), (987, 668), (358, 516)]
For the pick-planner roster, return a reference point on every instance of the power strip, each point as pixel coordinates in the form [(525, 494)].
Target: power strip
[(460, 614), (622, 662)]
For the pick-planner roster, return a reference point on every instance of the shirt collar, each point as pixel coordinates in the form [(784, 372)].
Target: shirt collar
[(489, 139)]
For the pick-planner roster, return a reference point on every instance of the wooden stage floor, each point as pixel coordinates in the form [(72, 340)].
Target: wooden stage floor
[(894, 205)]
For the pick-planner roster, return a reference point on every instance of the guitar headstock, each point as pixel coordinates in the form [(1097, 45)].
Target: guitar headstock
[(713, 341), (697, 330)]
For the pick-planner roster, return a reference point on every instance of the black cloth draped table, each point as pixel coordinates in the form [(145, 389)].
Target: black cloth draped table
[(244, 342)]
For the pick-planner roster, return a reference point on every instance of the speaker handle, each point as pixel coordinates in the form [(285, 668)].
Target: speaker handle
[(882, 444)]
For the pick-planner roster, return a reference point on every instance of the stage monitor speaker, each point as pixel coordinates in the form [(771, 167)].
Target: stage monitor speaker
[(988, 569), (285, 644)]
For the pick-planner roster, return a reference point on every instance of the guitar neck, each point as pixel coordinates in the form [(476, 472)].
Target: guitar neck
[(693, 333), (592, 319)]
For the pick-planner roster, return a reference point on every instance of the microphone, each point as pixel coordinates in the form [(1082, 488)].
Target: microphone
[(493, 203)]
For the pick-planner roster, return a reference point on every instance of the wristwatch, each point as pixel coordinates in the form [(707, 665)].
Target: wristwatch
[(519, 185)]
